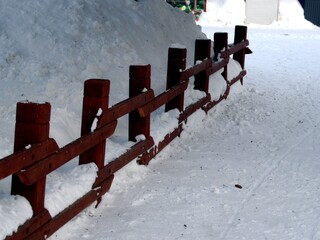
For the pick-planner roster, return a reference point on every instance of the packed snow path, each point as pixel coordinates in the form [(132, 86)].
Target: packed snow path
[(264, 138)]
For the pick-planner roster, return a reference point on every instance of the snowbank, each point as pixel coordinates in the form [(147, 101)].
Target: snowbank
[(291, 15), (232, 12), (49, 48), (223, 13)]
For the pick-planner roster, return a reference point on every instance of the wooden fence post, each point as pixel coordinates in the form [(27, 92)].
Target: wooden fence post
[(139, 80), (32, 126), (239, 36), (221, 44), (177, 60), (95, 97), (202, 52)]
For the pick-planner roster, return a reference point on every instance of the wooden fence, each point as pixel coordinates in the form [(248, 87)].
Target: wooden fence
[(29, 167)]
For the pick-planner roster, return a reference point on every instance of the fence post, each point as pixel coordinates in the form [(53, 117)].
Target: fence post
[(177, 59), (202, 52), (220, 44), (95, 97), (239, 36), (139, 80), (32, 126)]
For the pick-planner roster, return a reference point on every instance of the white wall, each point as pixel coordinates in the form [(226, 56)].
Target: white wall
[(261, 11)]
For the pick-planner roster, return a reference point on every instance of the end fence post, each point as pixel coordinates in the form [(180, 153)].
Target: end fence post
[(177, 60), (220, 44), (239, 36), (95, 97), (139, 80), (202, 52), (32, 126)]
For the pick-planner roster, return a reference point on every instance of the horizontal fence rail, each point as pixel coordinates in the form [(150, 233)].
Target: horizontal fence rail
[(30, 165)]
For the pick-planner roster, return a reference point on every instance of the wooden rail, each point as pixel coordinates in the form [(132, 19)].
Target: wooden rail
[(30, 166)]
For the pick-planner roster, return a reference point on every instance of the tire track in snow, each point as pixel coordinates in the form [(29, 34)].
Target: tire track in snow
[(276, 163)]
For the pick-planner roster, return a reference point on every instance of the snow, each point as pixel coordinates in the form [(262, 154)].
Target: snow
[(263, 137), (223, 13), (14, 210), (163, 123), (57, 198), (49, 49), (291, 14), (217, 90)]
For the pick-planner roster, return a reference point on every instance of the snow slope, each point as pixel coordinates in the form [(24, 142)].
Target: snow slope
[(264, 137), (49, 48)]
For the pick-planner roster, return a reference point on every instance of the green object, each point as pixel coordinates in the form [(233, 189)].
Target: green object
[(184, 7), (188, 6)]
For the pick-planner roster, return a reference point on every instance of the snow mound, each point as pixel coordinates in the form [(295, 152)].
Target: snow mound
[(223, 13), (291, 15), (232, 12), (49, 48)]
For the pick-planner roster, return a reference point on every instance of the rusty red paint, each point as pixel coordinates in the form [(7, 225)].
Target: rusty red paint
[(70, 212), (30, 130), (124, 107), (203, 66), (163, 98), (176, 64), (148, 155), (115, 165), (217, 66), (193, 108), (44, 156), (239, 77), (31, 226), (95, 97), (26, 157), (233, 49), (65, 154), (140, 80)]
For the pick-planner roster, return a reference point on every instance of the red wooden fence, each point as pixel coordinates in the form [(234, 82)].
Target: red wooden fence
[(29, 167)]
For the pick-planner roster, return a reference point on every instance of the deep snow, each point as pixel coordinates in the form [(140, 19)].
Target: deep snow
[(264, 137), (49, 48)]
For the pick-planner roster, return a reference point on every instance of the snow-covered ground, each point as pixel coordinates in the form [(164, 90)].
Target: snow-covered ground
[(49, 48), (263, 138)]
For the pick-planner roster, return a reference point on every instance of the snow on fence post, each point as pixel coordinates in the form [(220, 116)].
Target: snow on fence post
[(139, 81), (32, 126), (202, 52), (95, 99), (220, 44), (177, 59), (240, 35)]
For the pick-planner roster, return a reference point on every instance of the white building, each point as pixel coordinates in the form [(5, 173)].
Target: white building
[(262, 11)]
